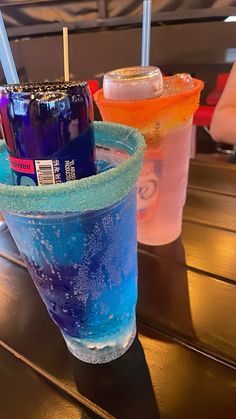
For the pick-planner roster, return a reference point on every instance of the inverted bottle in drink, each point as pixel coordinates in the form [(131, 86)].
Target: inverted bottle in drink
[(78, 240), (162, 109)]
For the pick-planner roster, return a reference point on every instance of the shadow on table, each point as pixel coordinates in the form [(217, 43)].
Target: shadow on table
[(164, 289), (122, 387)]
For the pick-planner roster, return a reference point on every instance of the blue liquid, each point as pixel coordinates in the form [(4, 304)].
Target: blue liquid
[(85, 268)]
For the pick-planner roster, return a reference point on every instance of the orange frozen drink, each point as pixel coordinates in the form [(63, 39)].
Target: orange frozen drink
[(162, 109)]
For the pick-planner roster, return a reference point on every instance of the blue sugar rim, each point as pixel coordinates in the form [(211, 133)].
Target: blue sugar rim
[(91, 193)]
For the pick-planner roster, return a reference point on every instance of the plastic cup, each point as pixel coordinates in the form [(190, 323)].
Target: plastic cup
[(78, 240), (166, 123)]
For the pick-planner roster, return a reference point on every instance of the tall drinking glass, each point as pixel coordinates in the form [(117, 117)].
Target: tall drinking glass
[(78, 240), (162, 110)]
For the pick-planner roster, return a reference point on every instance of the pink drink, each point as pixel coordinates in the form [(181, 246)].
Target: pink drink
[(162, 188), (162, 109)]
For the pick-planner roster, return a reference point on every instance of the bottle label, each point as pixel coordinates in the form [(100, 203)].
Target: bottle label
[(43, 172)]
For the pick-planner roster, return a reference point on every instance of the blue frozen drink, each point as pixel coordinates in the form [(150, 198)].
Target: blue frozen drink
[(84, 263)]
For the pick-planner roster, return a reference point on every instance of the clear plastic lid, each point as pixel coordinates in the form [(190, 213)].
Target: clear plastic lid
[(133, 83)]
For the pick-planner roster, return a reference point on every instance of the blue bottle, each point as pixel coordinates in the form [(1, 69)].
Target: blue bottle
[(48, 130)]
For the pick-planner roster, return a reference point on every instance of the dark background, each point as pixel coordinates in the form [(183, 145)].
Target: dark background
[(187, 36)]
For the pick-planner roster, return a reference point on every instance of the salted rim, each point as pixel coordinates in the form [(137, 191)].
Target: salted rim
[(80, 195), (163, 99)]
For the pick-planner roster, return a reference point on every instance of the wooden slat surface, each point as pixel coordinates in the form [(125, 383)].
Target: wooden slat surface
[(194, 385), (214, 177), (177, 383), (187, 297), (212, 209), (159, 377), (208, 249), (196, 307), (171, 298), (26, 395)]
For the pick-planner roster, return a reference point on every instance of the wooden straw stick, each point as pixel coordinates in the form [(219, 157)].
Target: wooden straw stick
[(66, 54)]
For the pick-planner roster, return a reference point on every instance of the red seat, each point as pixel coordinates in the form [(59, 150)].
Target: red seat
[(204, 113), (203, 116), (93, 85), (215, 95)]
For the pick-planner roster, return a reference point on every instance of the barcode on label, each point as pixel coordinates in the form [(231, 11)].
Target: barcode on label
[(45, 173)]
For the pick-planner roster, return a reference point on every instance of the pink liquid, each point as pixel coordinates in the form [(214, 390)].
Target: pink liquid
[(162, 188)]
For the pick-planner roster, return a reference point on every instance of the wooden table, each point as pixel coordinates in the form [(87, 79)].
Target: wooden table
[(181, 366)]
